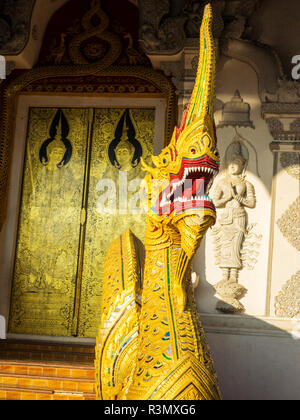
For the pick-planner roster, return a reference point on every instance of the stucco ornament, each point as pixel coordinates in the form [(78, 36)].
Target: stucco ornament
[(236, 113), (151, 345), (290, 161), (161, 32), (15, 21), (289, 224), (167, 25), (287, 303)]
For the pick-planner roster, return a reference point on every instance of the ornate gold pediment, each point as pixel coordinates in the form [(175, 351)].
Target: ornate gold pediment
[(79, 65)]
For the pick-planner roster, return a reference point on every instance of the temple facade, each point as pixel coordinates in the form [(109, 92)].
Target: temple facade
[(88, 90)]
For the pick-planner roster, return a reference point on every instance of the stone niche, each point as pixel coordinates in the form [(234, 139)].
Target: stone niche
[(251, 130)]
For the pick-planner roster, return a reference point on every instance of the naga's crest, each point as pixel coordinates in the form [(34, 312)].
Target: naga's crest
[(184, 171)]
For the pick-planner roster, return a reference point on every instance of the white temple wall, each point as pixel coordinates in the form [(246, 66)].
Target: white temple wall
[(254, 367), (256, 353)]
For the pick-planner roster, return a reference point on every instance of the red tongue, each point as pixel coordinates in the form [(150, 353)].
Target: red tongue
[(198, 187), (193, 188)]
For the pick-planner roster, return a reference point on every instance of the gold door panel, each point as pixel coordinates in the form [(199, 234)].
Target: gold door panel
[(63, 234), (103, 228), (44, 278)]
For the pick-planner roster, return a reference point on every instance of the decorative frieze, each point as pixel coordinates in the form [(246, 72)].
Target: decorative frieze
[(284, 129), (283, 119)]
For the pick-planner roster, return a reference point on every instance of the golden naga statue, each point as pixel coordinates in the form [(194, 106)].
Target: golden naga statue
[(151, 345)]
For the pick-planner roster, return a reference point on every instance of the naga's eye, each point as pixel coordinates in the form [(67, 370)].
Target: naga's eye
[(193, 151), (164, 161)]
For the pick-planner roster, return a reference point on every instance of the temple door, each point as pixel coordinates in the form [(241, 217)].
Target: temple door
[(78, 161)]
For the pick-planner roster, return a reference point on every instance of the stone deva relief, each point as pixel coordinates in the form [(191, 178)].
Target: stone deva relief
[(236, 243), (287, 303), (15, 18), (289, 224)]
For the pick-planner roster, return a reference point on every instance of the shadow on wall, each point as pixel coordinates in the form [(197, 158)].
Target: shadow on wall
[(254, 359)]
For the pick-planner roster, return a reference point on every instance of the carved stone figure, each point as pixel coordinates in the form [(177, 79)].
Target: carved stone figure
[(232, 194)]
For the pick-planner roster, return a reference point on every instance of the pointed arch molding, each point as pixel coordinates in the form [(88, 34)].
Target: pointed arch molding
[(264, 62), (94, 79)]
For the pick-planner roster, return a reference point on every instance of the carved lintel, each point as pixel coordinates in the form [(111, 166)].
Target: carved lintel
[(288, 147), (282, 112), (283, 120)]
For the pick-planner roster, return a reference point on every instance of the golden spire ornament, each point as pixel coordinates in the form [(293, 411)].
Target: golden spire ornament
[(151, 345)]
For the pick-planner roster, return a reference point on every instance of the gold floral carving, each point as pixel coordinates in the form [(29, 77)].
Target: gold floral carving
[(94, 39), (56, 288), (42, 296), (289, 224), (287, 303), (99, 32)]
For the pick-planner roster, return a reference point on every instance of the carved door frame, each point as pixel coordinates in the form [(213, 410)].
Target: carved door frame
[(91, 82)]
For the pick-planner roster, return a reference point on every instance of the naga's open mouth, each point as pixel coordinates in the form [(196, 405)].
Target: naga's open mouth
[(189, 188)]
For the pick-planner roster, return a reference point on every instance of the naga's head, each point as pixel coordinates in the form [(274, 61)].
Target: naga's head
[(179, 184)]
